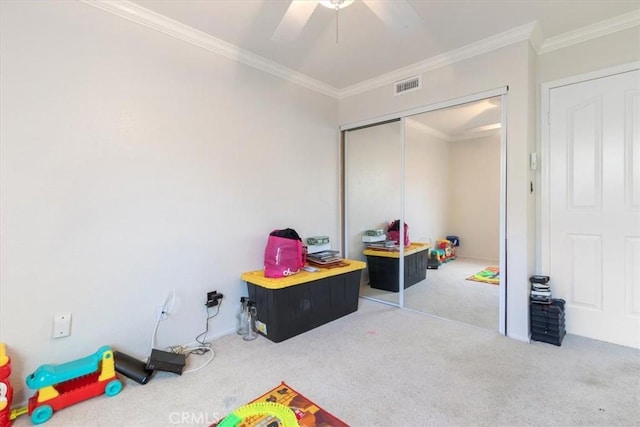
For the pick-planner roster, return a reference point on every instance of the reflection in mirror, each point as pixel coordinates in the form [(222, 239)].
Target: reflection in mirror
[(373, 161), (452, 202)]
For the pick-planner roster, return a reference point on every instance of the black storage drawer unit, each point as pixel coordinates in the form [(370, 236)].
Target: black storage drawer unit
[(289, 311), (547, 322), (384, 271)]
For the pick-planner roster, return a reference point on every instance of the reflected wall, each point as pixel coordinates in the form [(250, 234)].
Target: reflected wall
[(373, 186)]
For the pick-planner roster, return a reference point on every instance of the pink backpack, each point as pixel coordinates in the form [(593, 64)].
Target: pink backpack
[(284, 255), (394, 232)]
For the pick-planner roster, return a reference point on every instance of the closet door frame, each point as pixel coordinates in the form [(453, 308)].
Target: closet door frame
[(502, 92)]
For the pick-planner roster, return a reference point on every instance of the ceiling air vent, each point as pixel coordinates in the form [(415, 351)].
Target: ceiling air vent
[(408, 85)]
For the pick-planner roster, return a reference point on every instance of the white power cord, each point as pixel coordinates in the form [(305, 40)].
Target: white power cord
[(164, 313), (184, 349), (206, 349)]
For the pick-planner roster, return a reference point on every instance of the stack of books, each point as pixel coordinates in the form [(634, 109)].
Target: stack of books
[(386, 245), (325, 258), (373, 236), (318, 244), (540, 290)]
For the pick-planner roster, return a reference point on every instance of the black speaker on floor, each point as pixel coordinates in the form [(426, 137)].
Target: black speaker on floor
[(132, 368)]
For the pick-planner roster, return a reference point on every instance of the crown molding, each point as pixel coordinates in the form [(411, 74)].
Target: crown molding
[(428, 130), (599, 29), (480, 47), (170, 27), (477, 134), (536, 38), (470, 134), (531, 32)]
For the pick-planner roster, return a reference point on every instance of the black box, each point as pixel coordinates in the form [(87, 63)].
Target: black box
[(384, 272), (290, 311), (549, 339), (165, 361), (545, 327), (547, 322)]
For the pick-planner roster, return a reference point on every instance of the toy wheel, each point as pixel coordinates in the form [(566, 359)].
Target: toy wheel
[(113, 388), (41, 414)]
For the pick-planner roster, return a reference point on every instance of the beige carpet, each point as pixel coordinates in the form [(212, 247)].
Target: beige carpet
[(447, 293), (384, 366)]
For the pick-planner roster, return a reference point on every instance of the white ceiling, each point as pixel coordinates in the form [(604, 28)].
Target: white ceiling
[(367, 48)]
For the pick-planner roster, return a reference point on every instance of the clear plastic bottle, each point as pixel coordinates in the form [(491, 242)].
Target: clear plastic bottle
[(251, 311), (242, 320)]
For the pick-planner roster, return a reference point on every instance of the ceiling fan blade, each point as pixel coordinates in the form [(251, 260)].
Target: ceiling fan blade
[(294, 20), (397, 14)]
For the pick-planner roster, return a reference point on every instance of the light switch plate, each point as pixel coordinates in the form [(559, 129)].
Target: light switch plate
[(61, 325), (533, 161)]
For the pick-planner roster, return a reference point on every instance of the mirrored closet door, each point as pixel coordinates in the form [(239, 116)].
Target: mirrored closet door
[(441, 171), (373, 191), (452, 205)]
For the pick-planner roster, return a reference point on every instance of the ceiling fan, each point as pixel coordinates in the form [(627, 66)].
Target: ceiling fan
[(396, 14)]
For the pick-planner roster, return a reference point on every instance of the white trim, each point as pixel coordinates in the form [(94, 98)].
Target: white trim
[(523, 338), (537, 38), (428, 130), (143, 16), (473, 134), (401, 226), (480, 47), (502, 305), (599, 29), (170, 27), (478, 134), (345, 187), (545, 110)]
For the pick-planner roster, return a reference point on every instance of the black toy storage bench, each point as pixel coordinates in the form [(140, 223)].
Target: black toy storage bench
[(292, 305), (384, 266)]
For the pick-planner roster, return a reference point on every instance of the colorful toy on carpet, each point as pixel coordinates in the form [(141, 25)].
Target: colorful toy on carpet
[(283, 407), (448, 250), (489, 275), (59, 386), (6, 390)]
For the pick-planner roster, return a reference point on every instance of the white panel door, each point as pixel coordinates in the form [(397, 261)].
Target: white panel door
[(594, 206)]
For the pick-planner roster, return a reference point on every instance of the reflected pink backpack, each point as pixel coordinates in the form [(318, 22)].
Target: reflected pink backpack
[(284, 255), (394, 232)]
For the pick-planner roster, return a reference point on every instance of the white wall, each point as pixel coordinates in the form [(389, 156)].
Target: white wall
[(373, 181), (426, 190), (608, 51), (474, 204), (511, 66), (134, 164)]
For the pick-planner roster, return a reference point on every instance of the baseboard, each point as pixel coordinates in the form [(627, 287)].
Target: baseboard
[(522, 338), (214, 337)]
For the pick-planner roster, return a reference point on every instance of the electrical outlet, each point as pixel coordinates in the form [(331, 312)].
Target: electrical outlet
[(213, 299)]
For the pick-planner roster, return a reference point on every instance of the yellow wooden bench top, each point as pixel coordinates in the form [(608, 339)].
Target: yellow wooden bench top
[(412, 249), (257, 277)]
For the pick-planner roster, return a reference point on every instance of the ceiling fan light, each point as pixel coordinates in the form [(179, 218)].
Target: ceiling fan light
[(336, 4)]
